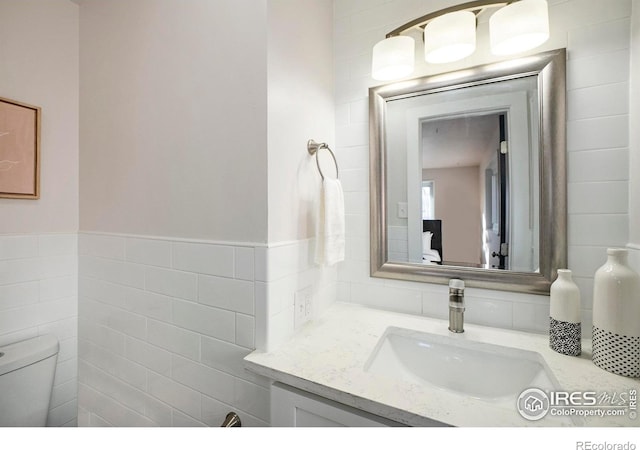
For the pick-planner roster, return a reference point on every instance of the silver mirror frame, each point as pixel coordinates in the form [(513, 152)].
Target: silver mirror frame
[(550, 69)]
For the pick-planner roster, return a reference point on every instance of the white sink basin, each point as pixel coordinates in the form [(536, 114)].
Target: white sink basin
[(455, 364)]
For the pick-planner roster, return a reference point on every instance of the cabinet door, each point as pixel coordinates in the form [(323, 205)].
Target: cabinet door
[(291, 407)]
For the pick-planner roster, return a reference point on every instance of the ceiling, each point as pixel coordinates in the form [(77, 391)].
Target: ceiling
[(459, 141)]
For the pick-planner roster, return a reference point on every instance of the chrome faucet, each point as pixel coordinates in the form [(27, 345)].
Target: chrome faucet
[(456, 305)]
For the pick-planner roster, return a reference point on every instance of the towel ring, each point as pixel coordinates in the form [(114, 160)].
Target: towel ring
[(313, 148)]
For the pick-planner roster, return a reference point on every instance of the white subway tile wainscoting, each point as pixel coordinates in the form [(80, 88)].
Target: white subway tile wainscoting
[(281, 271), (164, 326), (39, 295)]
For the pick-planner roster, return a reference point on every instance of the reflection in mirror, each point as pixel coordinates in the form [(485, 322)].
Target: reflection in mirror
[(467, 175), (471, 177), (469, 171)]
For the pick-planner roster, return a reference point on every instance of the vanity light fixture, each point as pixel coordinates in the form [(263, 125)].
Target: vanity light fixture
[(450, 35)]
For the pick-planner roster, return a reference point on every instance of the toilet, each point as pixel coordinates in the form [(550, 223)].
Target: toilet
[(26, 379)]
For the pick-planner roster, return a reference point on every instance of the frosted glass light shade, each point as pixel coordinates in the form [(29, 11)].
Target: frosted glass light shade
[(519, 27), (450, 37), (393, 58)]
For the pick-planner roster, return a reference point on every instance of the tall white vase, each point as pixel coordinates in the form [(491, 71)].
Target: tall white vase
[(616, 316), (565, 328)]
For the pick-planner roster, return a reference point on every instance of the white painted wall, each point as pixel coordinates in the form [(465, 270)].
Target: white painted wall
[(597, 36), (300, 107), (174, 118), (39, 66)]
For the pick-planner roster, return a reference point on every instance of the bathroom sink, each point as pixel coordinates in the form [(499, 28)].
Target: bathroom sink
[(453, 363)]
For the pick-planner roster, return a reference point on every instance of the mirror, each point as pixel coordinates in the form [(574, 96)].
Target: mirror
[(468, 176)]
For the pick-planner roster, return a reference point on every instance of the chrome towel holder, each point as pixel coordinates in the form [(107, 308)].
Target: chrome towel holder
[(314, 148)]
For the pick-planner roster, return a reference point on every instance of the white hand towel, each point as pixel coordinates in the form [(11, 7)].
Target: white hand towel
[(330, 228)]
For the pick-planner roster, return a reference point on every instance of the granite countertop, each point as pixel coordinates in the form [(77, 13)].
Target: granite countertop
[(327, 356)]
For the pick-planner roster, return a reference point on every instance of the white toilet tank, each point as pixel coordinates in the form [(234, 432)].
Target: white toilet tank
[(26, 379)]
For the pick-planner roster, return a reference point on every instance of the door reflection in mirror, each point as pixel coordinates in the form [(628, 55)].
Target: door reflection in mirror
[(459, 153)]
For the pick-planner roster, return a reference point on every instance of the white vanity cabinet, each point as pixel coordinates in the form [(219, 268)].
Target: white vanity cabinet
[(291, 407)]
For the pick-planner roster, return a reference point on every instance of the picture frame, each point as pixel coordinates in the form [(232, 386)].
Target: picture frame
[(19, 150)]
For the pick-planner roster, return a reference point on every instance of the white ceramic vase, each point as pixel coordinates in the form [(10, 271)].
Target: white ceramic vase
[(616, 316), (565, 328)]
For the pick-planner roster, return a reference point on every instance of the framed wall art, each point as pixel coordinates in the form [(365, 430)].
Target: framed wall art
[(19, 150)]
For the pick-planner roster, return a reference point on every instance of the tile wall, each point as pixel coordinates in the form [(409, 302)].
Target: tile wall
[(163, 326), (597, 37), (39, 295), (289, 268)]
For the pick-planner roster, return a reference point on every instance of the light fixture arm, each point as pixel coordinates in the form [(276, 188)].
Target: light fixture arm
[(474, 6)]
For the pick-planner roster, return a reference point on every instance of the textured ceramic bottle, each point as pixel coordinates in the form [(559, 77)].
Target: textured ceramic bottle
[(565, 328), (616, 316)]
